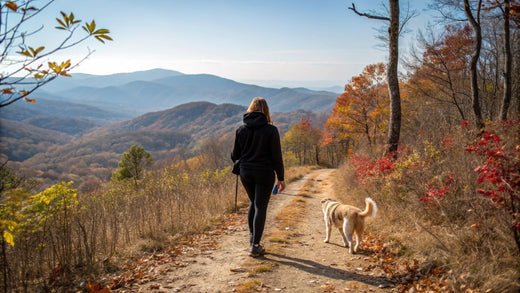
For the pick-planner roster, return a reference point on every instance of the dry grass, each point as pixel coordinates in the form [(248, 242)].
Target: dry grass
[(278, 240), (249, 286), (295, 173), (461, 231), (265, 267)]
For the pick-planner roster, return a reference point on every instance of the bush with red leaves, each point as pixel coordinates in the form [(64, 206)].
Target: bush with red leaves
[(499, 175)]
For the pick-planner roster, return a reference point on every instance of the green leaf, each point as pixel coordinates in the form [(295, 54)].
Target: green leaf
[(101, 31), (92, 26), (105, 37)]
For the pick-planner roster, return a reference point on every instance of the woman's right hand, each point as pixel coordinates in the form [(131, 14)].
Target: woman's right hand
[(280, 185)]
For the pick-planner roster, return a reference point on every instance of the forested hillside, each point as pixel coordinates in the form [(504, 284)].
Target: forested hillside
[(177, 134)]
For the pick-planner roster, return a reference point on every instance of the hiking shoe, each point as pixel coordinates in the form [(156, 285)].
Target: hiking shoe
[(257, 250)]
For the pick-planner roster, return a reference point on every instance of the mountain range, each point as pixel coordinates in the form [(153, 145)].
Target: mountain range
[(140, 92), (80, 126)]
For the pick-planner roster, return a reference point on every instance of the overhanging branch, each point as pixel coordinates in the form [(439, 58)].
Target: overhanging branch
[(371, 16)]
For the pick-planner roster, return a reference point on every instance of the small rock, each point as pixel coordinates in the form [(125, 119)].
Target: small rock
[(277, 289), (238, 270), (359, 269)]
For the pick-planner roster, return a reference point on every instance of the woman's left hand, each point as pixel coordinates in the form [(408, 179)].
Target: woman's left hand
[(281, 185)]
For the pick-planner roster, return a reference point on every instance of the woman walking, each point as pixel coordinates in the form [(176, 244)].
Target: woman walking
[(257, 148)]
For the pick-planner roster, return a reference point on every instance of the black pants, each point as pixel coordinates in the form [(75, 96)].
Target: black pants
[(258, 185)]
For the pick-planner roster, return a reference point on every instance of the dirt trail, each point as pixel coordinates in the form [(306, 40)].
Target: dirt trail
[(297, 261)]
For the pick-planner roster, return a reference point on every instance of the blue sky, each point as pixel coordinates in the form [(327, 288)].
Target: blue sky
[(268, 42)]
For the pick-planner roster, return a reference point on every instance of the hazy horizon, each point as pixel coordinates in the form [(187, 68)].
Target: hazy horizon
[(270, 43)]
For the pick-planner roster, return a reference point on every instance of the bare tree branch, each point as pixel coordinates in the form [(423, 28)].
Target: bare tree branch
[(371, 16)]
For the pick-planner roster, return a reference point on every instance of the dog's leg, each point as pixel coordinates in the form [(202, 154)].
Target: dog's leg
[(327, 229), (342, 232), (359, 236), (347, 229)]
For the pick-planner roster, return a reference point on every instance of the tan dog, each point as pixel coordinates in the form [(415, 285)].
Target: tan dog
[(348, 219)]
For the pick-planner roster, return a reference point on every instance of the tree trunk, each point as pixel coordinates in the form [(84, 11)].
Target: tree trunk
[(475, 24), (506, 101), (394, 127)]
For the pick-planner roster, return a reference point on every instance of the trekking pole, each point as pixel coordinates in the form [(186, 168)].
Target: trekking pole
[(236, 194)]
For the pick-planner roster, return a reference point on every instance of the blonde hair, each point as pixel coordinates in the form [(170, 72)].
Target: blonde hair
[(259, 104)]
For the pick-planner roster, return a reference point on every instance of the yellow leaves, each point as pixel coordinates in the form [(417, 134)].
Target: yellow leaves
[(101, 37), (41, 75), (25, 53), (8, 238), (66, 21), (60, 69), (7, 227), (100, 34), (90, 27), (431, 151), (31, 52), (37, 50), (11, 5)]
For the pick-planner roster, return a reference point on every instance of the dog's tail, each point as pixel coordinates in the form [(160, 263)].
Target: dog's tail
[(370, 208)]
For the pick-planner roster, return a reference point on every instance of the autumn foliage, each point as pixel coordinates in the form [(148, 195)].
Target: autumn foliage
[(454, 190), (361, 112)]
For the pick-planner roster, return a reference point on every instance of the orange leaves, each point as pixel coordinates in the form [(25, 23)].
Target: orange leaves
[(96, 288), (28, 100), (362, 109), (11, 5), (31, 52), (7, 91)]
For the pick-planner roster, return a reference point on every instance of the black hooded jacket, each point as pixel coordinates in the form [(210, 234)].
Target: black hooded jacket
[(257, 145)]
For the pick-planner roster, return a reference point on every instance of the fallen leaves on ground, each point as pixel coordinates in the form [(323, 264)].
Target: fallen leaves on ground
[(147, 267), (404, 272)]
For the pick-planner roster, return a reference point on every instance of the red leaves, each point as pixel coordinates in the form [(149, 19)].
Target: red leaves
[(499, 171), (447, 142), (495, 169), (438, 192), (365, 166)]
